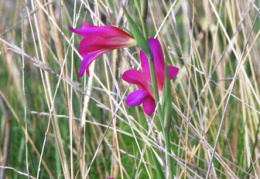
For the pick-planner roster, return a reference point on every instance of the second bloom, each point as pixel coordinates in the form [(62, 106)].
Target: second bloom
[(143, 80)]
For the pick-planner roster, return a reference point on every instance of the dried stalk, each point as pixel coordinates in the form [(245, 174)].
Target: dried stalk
[(7, 124)]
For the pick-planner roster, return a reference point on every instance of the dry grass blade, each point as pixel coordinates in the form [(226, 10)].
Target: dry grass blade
[(7, 134)]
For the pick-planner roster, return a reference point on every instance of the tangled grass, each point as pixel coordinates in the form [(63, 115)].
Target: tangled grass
[(57, 125)]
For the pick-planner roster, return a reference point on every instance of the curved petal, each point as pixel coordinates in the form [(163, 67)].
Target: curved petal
[(133, 76), (86, 25), (136, 98), (149, 105), (136, 77), (94, 43), (145, 66), (158, 62), (77, 31), (88, 45), (88, 59), (173, 71), (103, 31)]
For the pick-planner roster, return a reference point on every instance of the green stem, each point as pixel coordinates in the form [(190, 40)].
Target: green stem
[(155, 89), (165, 128), (142, 16), (168, 149), (165, 118), (157, 165)]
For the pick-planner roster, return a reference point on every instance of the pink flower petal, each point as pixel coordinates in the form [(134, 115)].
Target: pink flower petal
[(136, 98), (94, 43), (136, 77), (88, 45), (86, 25), (145, 66), (88, 59), (149, 105), (81, 31), (103, 31), (99, 40), (173, 71), (158, 62)]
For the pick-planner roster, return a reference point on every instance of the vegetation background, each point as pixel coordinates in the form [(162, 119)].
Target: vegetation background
[(57, 125)]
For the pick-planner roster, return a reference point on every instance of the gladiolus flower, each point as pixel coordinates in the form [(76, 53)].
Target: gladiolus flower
[(99, 40), (143, 80)]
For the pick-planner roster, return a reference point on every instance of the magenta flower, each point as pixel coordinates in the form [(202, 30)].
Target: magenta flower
[(143, 78), (99, 40)]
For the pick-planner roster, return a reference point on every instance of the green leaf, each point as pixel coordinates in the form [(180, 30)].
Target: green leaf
[(142, 15), (167, 107), (157, 165), (139, 37), (138, 6), (167, 100)]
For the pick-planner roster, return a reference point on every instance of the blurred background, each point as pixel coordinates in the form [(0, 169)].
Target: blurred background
[(57, 125)]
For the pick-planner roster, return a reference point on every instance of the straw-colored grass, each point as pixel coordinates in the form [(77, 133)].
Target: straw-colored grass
[(57, 125)]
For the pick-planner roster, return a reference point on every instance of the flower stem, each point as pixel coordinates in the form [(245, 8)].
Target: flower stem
[(142, 16), (167, 118), (165, 123)]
